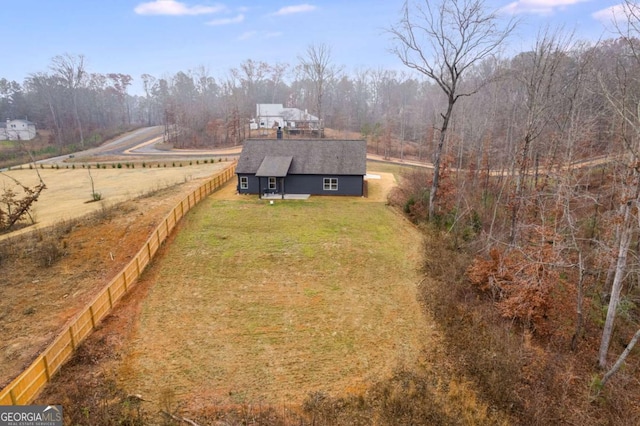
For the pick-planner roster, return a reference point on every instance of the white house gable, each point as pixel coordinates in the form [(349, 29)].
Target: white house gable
[(15, 130)]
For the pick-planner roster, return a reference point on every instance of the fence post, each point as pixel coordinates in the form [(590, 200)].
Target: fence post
[(110, 300), (73, 341), (46, 367), (124, 279), (14, 401), (93, 320)]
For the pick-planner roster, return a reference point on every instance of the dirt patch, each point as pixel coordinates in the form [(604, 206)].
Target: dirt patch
[(51, 273)]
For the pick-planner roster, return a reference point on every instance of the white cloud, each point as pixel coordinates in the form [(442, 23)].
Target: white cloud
[(618, 14), (175, 8), (538, 7), (227, 21), (274, 34), (609, 14), (247, 35), (299, 8)]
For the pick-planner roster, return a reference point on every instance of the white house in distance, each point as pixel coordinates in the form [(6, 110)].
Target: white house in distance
[(272, 116), (17, 130)]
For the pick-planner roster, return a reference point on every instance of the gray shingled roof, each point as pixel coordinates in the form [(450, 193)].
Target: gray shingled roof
[(310, 156), (274, 166)]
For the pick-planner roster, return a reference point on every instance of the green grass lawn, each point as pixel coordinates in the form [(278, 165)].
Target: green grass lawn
[(260, 302)]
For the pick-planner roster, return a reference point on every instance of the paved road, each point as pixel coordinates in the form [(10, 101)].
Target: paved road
[(139, 144)]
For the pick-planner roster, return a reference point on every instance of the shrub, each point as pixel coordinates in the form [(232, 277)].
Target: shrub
[(48, 253)]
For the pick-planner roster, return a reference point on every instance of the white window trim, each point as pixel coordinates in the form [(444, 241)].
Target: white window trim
[(244, 182), (330, 184), (272, 184)]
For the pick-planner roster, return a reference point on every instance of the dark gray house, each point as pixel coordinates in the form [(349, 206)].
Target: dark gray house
[(306, 166)]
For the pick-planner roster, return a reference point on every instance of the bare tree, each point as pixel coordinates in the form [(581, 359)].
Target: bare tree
[(626, 104), (443, 40), (71, 71), (542, 88), (318, 68)]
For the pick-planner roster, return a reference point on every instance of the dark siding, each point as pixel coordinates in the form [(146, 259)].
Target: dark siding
[(253, 185), (313, 184), (306, 184)]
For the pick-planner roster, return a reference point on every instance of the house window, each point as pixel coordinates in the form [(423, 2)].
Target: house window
[(330, 184), (244, 182), (272, 183)]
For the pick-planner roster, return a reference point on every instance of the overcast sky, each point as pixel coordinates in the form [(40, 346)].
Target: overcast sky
[(162, 37)]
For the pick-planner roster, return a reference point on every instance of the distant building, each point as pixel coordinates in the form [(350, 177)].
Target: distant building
[(302, 166), (293, 120), (17, 130)]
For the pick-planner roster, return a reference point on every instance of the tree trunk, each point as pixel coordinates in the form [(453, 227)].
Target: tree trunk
[(517, 202), (436, 162), (621, 263), (621, 358)]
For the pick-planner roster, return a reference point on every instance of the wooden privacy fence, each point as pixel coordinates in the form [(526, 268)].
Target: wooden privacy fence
[(24, 388)]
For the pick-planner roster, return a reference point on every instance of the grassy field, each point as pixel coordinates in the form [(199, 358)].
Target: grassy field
[(256, 302)]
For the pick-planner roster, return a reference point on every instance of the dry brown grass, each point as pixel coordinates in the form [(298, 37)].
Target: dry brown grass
[(68, 190), (266, 303), (332, 335), (39, 295)]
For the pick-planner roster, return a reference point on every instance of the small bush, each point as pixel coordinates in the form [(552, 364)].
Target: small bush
[(48, 253), (119, 165)]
